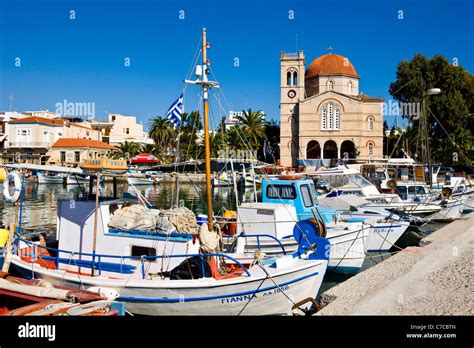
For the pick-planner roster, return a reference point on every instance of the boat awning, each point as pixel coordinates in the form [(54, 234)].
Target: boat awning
[(44, 168), (343, 202), (146, 158)]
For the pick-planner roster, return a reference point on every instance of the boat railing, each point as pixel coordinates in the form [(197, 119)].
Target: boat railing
[(258, 236), (101, 265)]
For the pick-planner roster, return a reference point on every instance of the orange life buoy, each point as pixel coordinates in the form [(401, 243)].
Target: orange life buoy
[(290, 177)]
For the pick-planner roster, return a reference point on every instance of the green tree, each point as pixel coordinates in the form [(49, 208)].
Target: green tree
[(126, 150), (450, 114), (252, 124), (149, 148), (162, 133)]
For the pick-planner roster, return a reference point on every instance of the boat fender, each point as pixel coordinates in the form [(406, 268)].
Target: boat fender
[(109, 293), (7, 196), (4, 234)]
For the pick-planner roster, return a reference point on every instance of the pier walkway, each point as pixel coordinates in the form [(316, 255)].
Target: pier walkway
[(434, 279)]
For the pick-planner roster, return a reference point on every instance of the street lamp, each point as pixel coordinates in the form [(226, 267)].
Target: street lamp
[(425, 149), (433, 91)]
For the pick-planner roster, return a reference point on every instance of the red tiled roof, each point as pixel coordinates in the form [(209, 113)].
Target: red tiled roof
[(78, 142), (366, 98), (37, 119)]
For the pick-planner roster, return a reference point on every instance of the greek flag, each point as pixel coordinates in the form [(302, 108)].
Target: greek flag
[(174, 112)]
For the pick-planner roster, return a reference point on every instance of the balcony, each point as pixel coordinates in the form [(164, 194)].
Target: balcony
[(29, 144)]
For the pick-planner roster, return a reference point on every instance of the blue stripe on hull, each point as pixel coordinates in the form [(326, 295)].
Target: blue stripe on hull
[(190, 299)]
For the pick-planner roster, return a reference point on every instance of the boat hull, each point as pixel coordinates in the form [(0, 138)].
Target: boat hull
[(42, 179), (254, 295), (348, 247)]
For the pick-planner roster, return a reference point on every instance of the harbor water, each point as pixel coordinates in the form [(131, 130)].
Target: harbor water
[(39, 210)]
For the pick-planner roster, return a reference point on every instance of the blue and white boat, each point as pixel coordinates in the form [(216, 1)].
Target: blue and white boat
[(286, 202)]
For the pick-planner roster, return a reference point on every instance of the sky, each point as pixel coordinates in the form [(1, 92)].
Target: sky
[(76, 51)]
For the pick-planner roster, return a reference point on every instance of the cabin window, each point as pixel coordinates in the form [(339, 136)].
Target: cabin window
[(143, 251), (419, 190), (281, 191), (402, 190), (306, 194)]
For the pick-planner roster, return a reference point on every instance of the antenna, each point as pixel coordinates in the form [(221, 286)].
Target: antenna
[(11, 101)]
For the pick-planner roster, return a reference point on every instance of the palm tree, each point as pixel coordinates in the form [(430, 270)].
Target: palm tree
[(149, 148), (161, 131), (126, 150), (253, 126)]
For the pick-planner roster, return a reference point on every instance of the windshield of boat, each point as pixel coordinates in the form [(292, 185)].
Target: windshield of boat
[(346, 180)]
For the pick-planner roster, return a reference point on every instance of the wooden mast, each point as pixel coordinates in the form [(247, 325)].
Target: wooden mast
[(205, 95), (205, 84)]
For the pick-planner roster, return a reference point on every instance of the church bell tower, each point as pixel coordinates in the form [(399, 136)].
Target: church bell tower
[(292, 71)]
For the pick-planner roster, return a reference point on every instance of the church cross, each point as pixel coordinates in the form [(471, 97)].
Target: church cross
[(330, 49)]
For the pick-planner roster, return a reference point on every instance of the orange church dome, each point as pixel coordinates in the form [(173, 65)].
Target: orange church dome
[(330, 64)]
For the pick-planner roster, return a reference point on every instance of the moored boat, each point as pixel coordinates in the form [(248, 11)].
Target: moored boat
[(50, 178)]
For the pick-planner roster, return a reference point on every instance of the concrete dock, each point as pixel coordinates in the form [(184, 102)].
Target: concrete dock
[(436, 278)]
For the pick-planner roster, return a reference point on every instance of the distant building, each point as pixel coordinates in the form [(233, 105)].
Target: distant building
[(322, 113), (5, 118), (30, 138), (43, 113), (119, 128), (71, 152), (232, 120)]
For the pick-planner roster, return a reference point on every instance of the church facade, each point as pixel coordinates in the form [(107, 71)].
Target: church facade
[(322, 113)]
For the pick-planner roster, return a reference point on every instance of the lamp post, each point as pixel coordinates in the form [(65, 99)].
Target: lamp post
[(424, 128)]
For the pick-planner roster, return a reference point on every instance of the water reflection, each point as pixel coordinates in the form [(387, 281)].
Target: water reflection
[(39, 206)]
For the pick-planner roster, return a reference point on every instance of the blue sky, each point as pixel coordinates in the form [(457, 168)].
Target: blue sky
[(82, 60)]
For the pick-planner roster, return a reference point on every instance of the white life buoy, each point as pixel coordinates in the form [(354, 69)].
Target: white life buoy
[(7, 196)]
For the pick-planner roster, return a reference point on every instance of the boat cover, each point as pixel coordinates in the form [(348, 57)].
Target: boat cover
[(343, 202)]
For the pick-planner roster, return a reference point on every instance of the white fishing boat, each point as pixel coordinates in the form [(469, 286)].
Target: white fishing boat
[(151, 259), (387, 226), (143, 179), (348, 181), (50, 178), (77, 180)]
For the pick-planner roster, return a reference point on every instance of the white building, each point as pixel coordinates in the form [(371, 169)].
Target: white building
[(119, 128)]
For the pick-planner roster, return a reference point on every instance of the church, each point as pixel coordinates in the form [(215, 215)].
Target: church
[(322, 113)]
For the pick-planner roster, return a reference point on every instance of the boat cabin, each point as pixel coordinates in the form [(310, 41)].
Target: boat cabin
[(299, 193)]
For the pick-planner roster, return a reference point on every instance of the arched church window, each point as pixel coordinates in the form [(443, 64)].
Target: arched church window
[(324, 120), (330, 85), (370, 123), (370, 147), (330, 117), (288, 78), (349, 87), (295, 78)]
